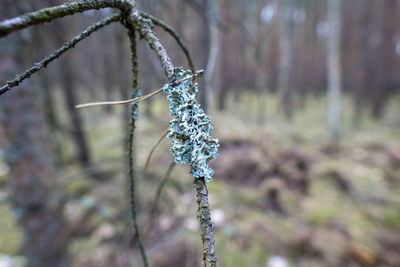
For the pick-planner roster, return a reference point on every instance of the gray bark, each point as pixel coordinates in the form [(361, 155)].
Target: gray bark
[(212, 15)]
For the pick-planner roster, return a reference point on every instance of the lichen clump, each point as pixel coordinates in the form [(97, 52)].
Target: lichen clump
[(190, 127), (135, 107)]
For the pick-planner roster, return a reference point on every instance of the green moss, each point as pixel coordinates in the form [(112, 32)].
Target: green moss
[(233, 256), (10, 234), (78, 187), (391, 219), (247, 197)]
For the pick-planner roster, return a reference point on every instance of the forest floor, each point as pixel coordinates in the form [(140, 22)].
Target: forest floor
[(282, 190)]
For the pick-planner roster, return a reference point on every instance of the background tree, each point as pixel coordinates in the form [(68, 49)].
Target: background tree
[(334, 67)]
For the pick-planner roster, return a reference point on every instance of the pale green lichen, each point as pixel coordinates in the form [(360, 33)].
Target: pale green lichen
[(190, 127), (135, 107)]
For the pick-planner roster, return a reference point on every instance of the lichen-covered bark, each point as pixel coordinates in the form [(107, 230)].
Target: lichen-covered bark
[(144, 28), (173, 33), (206, 226)]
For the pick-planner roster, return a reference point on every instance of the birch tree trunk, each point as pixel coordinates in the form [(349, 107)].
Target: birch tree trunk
[(212, 15), (70, 97), (334, 67), (286, 56)]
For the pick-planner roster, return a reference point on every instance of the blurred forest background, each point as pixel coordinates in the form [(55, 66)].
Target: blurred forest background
[(304, 96)]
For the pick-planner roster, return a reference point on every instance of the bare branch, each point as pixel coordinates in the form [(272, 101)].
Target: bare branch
[(42, 64), (51, 13), (206, 231), (173, 33), (143, 26), (131, 15), (130, 149)]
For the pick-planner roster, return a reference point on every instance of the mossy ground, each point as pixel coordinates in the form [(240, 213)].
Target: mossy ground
[(294, 193)]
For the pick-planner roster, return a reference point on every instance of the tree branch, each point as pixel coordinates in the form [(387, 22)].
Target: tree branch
[(135, 22), (206, 226), (130, 152), (144, 28), (173, 33), (51, 13), (42, 64), (130, 14)]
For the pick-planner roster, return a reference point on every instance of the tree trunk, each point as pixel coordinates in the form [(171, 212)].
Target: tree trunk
[(212, 15), (70, 97), (334, 67), (385, 55), (286, 56), (226, 60), (31, 183), (362, 63)]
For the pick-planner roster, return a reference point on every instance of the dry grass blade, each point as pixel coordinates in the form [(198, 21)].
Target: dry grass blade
[(154, 148), (121, 102)]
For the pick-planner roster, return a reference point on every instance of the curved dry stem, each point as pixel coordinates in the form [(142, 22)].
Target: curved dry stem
[(193, 83), (174, 34), (154, 148), (56, 54), (121, 102), (128, 101)]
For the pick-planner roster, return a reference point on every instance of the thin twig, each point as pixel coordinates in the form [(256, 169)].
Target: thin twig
[(174, 34), (196, 74), (121, 102), (131, 17), (193, 83), (42, 64), (154, 148), (92, 104), (130, 154), (206, 226), (50, 13)]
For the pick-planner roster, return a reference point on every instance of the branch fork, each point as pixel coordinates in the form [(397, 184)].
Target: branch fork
[(135, 22)]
